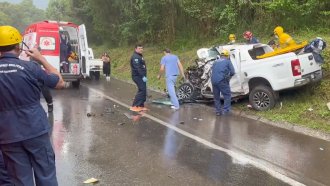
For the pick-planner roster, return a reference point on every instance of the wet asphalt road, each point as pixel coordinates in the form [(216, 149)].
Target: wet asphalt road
[(164, 147)]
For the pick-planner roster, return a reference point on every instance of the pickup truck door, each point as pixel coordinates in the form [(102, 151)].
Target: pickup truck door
[(238, 84), (83, 49)]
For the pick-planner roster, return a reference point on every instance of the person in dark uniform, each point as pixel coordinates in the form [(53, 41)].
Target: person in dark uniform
[(65, 50), (139, 76), (48, 97), (4, 178), (46, 92), (24, 141), (222, 71)]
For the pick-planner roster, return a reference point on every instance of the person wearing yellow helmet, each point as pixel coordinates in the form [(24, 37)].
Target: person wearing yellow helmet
[(222, 71), (232, 39), (284, 39), (24, 127)]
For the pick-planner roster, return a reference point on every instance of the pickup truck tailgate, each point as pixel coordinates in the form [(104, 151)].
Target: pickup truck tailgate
[(308, 64)]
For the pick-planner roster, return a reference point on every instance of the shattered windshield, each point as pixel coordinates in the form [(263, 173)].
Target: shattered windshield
[(213, 53), (208, 53)]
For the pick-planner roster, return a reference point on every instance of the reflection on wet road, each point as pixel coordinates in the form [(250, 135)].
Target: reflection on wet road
[(118, 147)]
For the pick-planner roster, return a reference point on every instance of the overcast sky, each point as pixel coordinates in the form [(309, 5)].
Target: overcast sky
[(42, 4)]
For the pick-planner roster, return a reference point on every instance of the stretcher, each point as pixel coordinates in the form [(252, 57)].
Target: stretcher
[(284, 50)]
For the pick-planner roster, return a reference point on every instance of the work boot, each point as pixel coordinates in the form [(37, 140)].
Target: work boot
[(143, 108), (50, 107), (135, 109)]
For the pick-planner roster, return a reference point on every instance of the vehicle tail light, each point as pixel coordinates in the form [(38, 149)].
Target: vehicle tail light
[(296, 69)]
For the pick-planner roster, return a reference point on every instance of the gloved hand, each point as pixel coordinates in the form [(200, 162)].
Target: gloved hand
[(145, 79)]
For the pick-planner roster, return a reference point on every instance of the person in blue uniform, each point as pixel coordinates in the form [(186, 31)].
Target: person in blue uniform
[(139, 76), (222, 71), (24, 141), (172, 66)]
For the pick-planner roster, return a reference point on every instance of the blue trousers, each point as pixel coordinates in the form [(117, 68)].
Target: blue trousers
[(141, 95), (223, 88), (30, 160), (4, 178), (170, 84)]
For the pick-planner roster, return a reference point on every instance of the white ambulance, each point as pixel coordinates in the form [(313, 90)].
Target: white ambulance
[(51, 36)]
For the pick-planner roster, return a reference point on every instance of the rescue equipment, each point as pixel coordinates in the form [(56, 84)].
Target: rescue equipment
[(284, 50)]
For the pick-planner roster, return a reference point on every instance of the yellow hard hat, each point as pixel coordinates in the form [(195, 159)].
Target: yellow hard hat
[(224, 52), (278, 30), (232, 37), (9, 36)]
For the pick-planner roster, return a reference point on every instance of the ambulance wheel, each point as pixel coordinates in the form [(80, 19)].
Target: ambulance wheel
[(76, 84), (262, 98)]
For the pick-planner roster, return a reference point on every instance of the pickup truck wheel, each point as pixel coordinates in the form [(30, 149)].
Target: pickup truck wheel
[(262, 98), (76, 84), (185, 91), (97, 75)]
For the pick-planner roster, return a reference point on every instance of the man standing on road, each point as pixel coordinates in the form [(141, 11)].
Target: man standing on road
[(139, 76), (24, 140), (173, 67), (222, 71)]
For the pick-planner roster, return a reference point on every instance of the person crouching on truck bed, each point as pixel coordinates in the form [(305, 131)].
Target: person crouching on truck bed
[(284, 39), (24, 141), (232, 39), (250, 39)]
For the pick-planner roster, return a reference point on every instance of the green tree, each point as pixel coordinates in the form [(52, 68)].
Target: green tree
[(20, 15)]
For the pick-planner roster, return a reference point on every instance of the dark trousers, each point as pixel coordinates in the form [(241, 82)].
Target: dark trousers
[(141, 95), (47, 95), (106, 69), (30, 160), (4, 178), (223, 88)]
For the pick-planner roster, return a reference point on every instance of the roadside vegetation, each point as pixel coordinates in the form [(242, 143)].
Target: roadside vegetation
[(187, 25)]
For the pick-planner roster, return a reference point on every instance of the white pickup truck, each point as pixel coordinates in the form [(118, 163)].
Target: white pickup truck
[(260, 79), (94, 66)]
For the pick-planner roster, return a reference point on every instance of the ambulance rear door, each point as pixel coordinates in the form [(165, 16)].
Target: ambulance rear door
[(83, 48), (49, 43)]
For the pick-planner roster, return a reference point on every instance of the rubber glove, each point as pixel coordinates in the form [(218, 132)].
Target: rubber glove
[(144, 79)]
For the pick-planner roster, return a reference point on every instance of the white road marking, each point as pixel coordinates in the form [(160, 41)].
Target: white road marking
[(267, 167)]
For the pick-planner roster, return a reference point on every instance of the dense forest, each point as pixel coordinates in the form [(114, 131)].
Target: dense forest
[(121, 22)]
